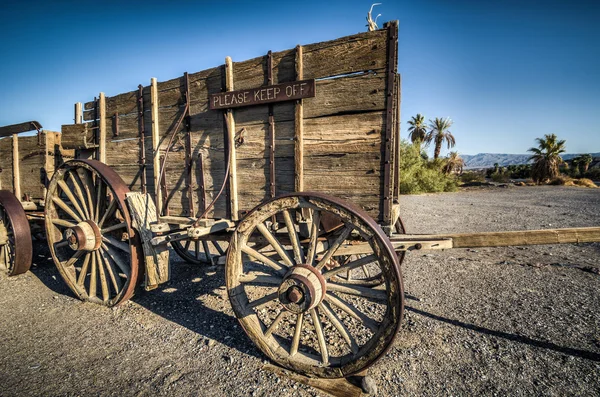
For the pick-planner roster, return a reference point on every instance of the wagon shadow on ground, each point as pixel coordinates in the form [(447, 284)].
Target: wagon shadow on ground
[(508, 336), (179, 300)]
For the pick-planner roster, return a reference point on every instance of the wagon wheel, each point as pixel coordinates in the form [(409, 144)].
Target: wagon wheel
[(89, 232), (15, 235), (367, 274), (282, 287), (200, 252)]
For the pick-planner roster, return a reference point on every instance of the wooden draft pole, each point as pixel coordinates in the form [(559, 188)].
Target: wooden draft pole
[(102, 128), (233, 193), (299, 129), (16, 167), (155, 144)]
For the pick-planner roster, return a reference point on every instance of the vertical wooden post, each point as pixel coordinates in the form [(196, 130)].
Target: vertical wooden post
[(16, 167), (233, 196), (155, 144), (102, 128), (78, 119), (397, 139), (391, 71), (299, 129)]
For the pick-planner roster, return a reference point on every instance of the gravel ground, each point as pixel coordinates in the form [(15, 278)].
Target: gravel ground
[(491, 321)]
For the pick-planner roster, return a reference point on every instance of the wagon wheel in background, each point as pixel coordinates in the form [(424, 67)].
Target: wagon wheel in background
[(200, 252), (89, 232), (286, 297), (367, 274), (15, 235)]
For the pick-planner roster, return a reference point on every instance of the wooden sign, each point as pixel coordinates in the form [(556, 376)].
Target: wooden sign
[(266, 94)]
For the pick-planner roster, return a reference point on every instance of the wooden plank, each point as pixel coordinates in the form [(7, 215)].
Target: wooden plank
[(156, 258), (77, 136), (299, 128), (6, 161), (102, 128), (155, 144), (16, 167), (233, 187)]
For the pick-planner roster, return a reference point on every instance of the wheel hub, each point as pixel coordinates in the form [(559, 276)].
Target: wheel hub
[(302, 289), (85, 236)]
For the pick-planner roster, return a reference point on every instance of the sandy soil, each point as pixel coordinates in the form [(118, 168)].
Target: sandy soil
[(503, 321)]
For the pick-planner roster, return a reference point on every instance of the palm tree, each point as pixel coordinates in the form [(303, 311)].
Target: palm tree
[(546, 158), (586, 160), (417, 130), (454, 163), (438, 133)]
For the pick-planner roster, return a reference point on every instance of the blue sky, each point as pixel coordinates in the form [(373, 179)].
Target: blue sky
[(505, 71)]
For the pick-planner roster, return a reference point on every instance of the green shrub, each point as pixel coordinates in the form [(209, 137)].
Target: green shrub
[(501, 177), (418, 175), (471, 176)]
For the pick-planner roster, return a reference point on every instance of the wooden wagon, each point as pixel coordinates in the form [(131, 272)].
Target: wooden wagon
[(283, 167)]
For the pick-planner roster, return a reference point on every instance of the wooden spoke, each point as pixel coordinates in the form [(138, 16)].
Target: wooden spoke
[(297, 331), (79, 194), (339, 326), (117, 244), (349, 266), (62, 222), (66, 208), (86, 181), (218, 247), (111, 207), (73, 259), (275, 244), (275, 322), (291, 227), (336, 244), (279, 268), (358, 291), (115, 257), (352, 312), (314, 234), (98, 198), (187, 244), (206, 249), (108, 229), (260, 279), (65, 188), (366, 271), (113, 274), (93, 280), (264, 300), (84, 268), (196, 249), (103, 283), (320, 336)]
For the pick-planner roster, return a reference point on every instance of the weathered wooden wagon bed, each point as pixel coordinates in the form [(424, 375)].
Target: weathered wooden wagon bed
[(283, 167)]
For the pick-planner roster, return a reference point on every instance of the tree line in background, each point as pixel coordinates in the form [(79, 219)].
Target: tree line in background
[(420, 174)]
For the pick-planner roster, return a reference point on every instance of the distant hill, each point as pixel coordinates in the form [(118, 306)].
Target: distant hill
[(487, 160)]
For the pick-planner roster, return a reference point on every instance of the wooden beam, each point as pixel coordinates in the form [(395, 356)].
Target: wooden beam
[(299, 129), (513, 238), (78, 119), (102, 128), (233, 188), (155, 144), (16, 167)]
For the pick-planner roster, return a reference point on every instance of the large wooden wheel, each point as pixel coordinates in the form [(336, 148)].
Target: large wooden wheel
[(15, 235), (200, 252), (282, 286), (89, 232)]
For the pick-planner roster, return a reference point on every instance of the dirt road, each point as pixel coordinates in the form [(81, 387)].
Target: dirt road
[(503, 321)]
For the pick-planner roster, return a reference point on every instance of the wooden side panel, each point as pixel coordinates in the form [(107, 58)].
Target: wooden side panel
[(343, 129)]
